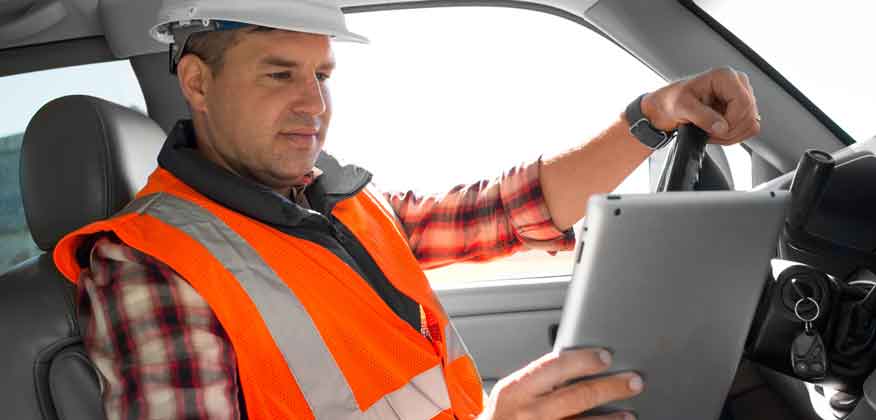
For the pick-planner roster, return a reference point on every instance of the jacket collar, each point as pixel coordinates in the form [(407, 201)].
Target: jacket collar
[(180, 157)]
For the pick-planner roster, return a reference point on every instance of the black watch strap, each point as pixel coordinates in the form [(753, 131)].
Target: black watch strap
[(642, 129)]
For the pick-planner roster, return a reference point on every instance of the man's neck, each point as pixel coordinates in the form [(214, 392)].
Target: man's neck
[(205, 148)]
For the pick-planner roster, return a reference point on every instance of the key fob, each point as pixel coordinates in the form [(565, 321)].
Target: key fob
[(808, 356)]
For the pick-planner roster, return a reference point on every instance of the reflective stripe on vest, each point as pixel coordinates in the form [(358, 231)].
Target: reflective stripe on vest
[(455, 347), (324, 386)]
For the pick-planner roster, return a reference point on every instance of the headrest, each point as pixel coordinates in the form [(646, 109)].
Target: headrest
[(82, 160)]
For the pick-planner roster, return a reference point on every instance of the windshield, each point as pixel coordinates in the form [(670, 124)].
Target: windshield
[(824, 48)]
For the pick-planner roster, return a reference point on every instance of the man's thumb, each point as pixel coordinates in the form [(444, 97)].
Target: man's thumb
[(719, 127)]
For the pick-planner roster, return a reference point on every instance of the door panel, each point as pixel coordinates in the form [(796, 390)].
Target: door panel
[(503, 343), (505, 324)]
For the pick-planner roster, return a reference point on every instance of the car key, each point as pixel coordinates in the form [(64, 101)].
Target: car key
[(808, 353)]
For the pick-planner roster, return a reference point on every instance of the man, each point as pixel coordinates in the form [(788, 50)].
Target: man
[(255, 276)]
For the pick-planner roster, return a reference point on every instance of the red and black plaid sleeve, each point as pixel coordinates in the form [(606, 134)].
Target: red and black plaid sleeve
[(481, 221), (159, 348)]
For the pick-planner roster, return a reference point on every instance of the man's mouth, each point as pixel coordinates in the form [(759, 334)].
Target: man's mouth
[(303, 131), (300, 132), (303, 138)]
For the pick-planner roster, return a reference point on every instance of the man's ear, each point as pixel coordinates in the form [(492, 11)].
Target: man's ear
[(194, 78)]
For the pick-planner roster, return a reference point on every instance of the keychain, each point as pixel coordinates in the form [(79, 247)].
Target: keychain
[(808, 355)]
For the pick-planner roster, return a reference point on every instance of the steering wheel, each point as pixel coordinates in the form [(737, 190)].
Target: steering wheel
[(681, 172), (682, 168)]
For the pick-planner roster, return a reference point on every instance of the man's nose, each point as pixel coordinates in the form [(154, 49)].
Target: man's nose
[(310, 99)]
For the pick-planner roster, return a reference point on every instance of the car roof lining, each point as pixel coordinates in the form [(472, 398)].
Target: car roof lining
[(71, 52), (80, 20)]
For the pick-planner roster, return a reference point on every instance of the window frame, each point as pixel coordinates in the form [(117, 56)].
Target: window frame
[(512, 4)]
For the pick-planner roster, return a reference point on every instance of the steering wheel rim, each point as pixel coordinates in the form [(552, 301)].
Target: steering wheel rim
[(681, 170)]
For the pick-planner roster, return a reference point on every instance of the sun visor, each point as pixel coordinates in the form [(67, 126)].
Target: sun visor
[(28, 22), (126, 26)]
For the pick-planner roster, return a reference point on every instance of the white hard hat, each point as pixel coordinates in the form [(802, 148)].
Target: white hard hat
[(311, 16)]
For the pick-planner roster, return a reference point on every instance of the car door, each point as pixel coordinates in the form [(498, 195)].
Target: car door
[(436, 101)]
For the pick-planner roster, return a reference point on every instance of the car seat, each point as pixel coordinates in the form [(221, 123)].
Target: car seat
[(82, 159)]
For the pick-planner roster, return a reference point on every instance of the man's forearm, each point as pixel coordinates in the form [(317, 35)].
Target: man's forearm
[(595, 167), (719, 101)]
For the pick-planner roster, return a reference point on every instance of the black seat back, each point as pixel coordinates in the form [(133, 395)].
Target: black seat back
[(82, 159)]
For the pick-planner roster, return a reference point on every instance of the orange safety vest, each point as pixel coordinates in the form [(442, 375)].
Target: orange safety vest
[(312, 338)]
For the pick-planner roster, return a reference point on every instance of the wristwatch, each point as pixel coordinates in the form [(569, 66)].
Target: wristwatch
[(642, 129)]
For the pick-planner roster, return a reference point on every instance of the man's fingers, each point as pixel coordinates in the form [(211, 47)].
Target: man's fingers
[(555, 369), (585, 395), (746, 82), (730, 91), (733, 91), (542, 389), (745, 129), (691, 109), (722, 103), (747, 117), (750, 130)]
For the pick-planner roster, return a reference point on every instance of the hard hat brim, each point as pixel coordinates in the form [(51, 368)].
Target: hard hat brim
[(161, 34), (309, 16)]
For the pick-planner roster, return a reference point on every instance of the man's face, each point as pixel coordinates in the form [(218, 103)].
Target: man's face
[(267, 111)]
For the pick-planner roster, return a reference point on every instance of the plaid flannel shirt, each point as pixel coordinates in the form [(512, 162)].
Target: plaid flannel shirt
[(162, 353)]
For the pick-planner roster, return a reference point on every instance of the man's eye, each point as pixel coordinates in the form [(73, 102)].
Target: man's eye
[(322, 76), (283, 75)]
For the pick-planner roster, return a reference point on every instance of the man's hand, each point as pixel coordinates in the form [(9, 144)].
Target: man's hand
[(538, 392), (719, 101)]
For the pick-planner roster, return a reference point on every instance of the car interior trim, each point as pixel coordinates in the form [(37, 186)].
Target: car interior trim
[(64, 53), (769, 70), (512, 4)]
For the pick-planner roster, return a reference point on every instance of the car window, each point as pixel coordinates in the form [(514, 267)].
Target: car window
[(740, 166), (440, 98), (825, 50), (113, 81)]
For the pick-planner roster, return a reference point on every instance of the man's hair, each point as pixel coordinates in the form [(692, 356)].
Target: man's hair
[(210, 46)]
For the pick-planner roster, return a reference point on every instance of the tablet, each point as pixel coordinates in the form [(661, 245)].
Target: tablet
[(669, 283)]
